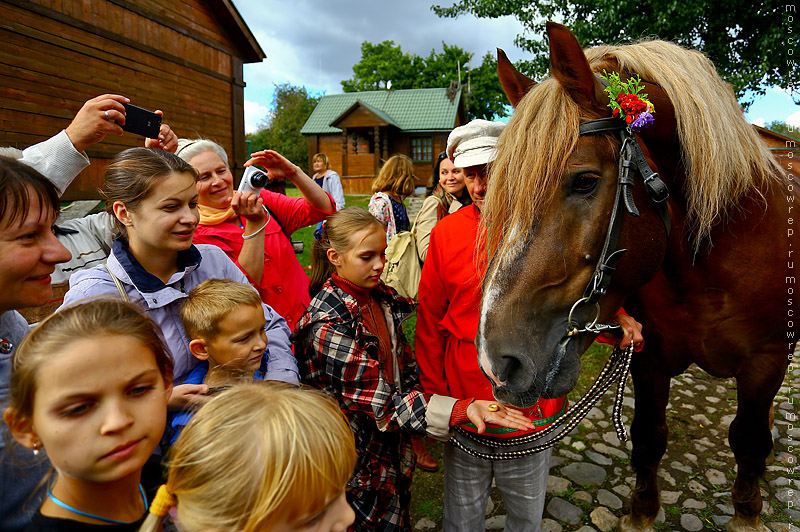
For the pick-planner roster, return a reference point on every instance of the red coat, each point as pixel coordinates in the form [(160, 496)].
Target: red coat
[(447, 319), (284, 284)]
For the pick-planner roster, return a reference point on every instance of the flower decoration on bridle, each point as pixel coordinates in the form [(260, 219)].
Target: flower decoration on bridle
[(628, 102)]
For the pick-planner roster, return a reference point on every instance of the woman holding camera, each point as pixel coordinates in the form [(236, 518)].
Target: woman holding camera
[(255, 230)]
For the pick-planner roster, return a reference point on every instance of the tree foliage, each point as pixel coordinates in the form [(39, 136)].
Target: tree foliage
[(749, 42), (291, 107), (784, 129), (385, 65)]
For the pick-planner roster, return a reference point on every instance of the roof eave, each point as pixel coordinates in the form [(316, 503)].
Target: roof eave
[(238, 31)]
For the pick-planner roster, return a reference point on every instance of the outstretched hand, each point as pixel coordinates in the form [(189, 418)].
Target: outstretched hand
[(276, 165), (167, 139), (97, 118), (479, 414)]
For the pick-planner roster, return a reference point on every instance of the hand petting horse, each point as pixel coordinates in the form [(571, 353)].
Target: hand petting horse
[(682, 216)]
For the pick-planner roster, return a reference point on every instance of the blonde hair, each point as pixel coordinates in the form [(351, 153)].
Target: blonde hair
[(256, 454), (322, 157), (212, 300), (337, 233), (543, 133), (396, 176), (85, 319), (132, 176)]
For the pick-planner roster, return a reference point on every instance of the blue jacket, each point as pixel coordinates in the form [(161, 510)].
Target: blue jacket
[(163, 301), (197, 376)]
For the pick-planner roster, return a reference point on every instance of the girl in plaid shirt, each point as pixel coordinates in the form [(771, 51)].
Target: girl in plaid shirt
[(350, 342)]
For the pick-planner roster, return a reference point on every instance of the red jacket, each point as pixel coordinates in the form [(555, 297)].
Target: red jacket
[(284, 284), (447, 319)]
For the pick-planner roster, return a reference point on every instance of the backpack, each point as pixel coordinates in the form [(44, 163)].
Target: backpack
[(403, 267)]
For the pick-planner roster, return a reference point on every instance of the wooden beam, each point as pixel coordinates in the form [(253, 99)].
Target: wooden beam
[(376, 149), (344, 152)]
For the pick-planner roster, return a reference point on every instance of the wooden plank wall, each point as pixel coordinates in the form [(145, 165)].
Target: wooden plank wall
[(56, 54)]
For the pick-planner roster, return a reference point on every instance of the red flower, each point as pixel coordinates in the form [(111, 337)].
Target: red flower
[(628, 118), (615, 112), (631, 104)]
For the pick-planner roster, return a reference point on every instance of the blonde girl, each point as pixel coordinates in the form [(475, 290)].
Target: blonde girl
[(394, 183), (260, 457), (350, 342), (89, 389)]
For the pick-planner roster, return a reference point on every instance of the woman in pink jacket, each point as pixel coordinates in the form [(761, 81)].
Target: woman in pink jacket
[(255, 230)]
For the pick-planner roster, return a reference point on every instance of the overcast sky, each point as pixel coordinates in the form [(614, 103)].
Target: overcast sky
[(315, 43)]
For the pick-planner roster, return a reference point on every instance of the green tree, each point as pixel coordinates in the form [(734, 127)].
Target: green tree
[(385, 65), (291, 107), (747, 41), (784, 129)]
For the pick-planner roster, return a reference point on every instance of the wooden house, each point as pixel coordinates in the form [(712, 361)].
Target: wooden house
[(184, 58), (360, 130), (780, 145)]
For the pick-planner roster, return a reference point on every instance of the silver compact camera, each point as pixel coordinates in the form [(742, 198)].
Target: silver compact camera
[(253, 180)]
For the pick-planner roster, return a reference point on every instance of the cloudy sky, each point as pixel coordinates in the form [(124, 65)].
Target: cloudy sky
[(315, 43)]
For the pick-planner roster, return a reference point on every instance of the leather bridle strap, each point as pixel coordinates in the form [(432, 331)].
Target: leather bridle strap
[(630, 158)]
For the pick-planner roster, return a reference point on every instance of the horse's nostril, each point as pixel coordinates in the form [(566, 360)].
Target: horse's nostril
[(509, 366), (517, 372)]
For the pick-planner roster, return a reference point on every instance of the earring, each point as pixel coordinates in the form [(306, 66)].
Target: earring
[(36, 447)]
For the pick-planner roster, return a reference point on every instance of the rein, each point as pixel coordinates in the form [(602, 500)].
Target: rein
[(617, 367)]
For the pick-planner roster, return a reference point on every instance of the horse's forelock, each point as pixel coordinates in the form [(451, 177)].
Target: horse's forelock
[(723, 155), (532, 153), (542, 133)]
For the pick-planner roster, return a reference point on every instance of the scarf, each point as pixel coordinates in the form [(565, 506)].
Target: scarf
[(213, 215)]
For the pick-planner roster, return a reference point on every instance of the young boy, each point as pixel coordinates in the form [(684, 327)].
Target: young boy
[(225, 324)]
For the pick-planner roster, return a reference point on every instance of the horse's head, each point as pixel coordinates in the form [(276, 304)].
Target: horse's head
[(550, 200)]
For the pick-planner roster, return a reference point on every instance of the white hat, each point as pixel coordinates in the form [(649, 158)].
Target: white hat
[(474, 143)]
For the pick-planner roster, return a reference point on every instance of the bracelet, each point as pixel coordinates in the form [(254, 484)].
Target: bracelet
[(251, 235)]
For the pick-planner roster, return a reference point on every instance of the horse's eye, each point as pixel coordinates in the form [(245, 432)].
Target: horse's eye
[(584, 183)]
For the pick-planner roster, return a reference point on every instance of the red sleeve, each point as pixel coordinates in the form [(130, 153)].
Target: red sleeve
[(431, 339), (216, 236), (293, 213), (459, 414)]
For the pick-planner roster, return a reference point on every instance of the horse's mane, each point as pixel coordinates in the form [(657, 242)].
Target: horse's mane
[(723, 155)]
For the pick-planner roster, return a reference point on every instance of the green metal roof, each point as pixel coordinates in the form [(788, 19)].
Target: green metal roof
[(410, 109)]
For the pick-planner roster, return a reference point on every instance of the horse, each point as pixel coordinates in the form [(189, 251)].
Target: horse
[(706, 270)]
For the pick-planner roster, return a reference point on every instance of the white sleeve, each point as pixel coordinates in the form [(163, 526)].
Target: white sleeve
[(335, 189), (56, 159)]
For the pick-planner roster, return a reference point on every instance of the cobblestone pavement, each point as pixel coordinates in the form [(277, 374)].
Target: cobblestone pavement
[(591, 477)]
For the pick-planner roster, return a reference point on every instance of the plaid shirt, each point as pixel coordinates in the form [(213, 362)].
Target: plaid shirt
[(336, 352)]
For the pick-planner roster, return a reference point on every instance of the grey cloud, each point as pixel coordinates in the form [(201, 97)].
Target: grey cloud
[(316, 43)]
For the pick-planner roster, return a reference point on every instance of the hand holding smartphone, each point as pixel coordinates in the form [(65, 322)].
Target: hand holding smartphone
[(141, 121)]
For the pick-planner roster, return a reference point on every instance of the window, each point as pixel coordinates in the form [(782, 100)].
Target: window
[(422, 149)]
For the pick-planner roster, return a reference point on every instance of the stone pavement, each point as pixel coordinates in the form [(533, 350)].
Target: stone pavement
[(591, 477)]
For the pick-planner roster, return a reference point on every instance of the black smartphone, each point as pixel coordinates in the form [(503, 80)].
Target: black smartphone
[(141, 121)]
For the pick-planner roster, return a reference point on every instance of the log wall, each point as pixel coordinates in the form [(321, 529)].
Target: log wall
[(56, 54)]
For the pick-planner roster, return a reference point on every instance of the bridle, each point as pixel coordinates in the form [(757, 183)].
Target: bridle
[(630, 157), (617, 367)]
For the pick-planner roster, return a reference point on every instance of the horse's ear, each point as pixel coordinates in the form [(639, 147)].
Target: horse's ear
[(570, 67), (515, 83)]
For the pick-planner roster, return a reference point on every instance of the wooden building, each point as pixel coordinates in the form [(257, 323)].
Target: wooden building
[(184, 58), (358, 131), (780, 145)]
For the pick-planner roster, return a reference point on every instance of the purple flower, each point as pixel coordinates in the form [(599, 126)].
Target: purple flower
[(642, 121)]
